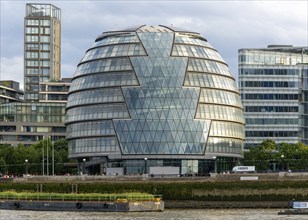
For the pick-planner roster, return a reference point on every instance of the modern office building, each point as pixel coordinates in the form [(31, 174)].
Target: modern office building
[(154, 96), (273, 89), (42, 47)]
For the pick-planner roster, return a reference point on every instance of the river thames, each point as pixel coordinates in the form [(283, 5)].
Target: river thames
[(186, 214)]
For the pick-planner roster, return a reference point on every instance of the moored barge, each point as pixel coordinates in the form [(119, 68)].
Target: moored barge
[(81, 204)]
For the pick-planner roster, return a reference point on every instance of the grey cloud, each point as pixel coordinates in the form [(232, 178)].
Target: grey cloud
[(228, 25)]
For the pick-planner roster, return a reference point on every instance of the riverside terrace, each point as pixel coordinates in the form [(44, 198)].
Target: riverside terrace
[(273, 190), (165, 178)]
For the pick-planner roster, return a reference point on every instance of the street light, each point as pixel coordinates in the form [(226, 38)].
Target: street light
[(282, 156), (83, 166), (145, 165), (26, 161), (215, 164)]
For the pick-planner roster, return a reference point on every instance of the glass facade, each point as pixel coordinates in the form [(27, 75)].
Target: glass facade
[(27, 123), (156, 93), (272, 87)]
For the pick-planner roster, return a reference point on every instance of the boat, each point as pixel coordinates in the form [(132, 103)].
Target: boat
[(81, 204), (299, 208)]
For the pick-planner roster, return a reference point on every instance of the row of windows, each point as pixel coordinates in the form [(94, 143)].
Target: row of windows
[(162, 103), (93, 145), (36, 55), (169, 137), (209, 80), (33, 88), (187, 39), (117, 39), (54, 88), (35, 30), (55, 97), (29, 96), (227, 129), (219, 112), (33, 46), (271, 134), (201, 65), (36, 22), (224, 145), (220, 97), (107, 111), (41, 71), (114, 51), (164, 125), (39, 108), (271, 108), (136, 93), (33, 118), (271, 121), (283, 84), (36, 79), (247, 71), (106, 65), (29, 138), (270, 96), (272, 58), (104, 80), (35, 38), (167, 112), (42, 129), (196, 51), (158, 147), (7, 128), (95, 96), (43, 63), (94, 128)]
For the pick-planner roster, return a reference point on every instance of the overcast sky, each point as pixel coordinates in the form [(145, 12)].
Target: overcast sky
[(227, 25)]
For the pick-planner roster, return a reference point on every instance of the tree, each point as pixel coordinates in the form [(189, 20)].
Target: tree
[(283, 156), (2, 166)]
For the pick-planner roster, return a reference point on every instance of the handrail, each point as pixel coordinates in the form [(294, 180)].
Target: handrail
[(79, 197)]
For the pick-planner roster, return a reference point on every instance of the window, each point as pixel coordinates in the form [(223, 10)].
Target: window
[(30, 38), (45, 39), (45, 22)]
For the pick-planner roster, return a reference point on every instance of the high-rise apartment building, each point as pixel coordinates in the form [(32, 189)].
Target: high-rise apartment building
[(272, 90), (42, 48)]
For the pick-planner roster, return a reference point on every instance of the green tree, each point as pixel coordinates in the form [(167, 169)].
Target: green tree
[(283, 156), (2, 166)]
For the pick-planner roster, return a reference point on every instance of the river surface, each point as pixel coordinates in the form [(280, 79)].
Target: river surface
[(173, 214)]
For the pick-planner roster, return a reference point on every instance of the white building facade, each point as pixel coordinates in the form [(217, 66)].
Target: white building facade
[(271, 87)]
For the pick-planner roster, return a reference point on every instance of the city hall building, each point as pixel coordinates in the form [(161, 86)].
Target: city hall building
[(154, 97)]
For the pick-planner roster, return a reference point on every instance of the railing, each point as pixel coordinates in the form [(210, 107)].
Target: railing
[(77, 197)]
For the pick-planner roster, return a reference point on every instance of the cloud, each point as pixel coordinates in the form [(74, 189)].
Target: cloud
[(12, 69), (227, 25)]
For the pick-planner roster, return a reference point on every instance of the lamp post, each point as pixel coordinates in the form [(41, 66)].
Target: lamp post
[(83, 165), (26, 161), (282, 156), (53, 156), (145, 165), (215, 164)]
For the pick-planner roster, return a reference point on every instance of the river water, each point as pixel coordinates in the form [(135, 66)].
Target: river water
[(173, 214)]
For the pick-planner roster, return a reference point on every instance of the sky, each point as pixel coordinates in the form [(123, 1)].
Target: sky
[(227, 25)]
